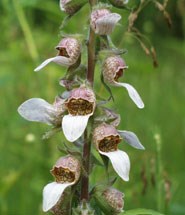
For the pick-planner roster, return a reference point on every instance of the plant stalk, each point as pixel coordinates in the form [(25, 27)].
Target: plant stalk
[(87, 141), (91, 57)]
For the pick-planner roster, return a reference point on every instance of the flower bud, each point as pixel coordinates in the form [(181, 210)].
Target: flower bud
[(106, 138), (70, 48), (103, 21), (66, 169), (114, 198), (81, 101), (71, 6), (114, 117), (113, 69), (110, 200)]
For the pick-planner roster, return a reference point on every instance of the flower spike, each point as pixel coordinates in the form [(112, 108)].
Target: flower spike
[(113, 69), (69, 50)]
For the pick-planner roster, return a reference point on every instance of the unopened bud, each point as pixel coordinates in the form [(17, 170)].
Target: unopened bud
[(110, 200), (114, 198)]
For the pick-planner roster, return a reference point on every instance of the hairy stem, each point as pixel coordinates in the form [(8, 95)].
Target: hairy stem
[(87, 141), (86, 164), (91, 57)]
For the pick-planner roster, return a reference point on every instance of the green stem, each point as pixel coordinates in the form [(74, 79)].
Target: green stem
[(26, 30)]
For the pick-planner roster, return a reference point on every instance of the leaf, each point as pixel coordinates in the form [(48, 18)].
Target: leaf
[(96, 161), (141, 211), (107, 87)]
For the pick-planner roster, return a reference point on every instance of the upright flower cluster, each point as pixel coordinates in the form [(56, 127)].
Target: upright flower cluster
[(82, 118)]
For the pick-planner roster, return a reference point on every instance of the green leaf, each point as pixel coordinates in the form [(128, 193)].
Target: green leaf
[(107, 87), (141, 211)]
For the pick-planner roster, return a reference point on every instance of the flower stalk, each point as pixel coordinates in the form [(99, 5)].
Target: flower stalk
[(87, 142)]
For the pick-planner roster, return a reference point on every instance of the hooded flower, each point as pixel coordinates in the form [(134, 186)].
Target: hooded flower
[(69, 50), (103, 21), (113, 69), (66, 172), (107, 138), (80, 106), (39, 110), (71, 6)]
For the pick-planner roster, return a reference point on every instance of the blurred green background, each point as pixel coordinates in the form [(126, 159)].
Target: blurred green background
[(29, 31)]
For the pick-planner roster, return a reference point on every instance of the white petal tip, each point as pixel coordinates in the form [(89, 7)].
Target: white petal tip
[(140, 106), (133, 94), (36, 69)]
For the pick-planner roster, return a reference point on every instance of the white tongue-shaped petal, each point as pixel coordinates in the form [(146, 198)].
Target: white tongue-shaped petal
[(132, 93), (61, 60), (120, 162), (52, 193), (74, 126), (37, 110), (130, 138), (106, 24)]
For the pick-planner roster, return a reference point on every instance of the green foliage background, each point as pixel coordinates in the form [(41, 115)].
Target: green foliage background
[(29, 31)]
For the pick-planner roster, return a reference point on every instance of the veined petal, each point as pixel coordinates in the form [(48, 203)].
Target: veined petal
[(52, 193), (74, 126), (131, 139), (105, 24), (61, 60), (132, 93), (120, 162), (37, 110)]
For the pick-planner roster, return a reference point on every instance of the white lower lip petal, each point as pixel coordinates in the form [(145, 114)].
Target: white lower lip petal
[(52, 193), (74, 126), (132, 93), (120, 162), (61, 60)]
